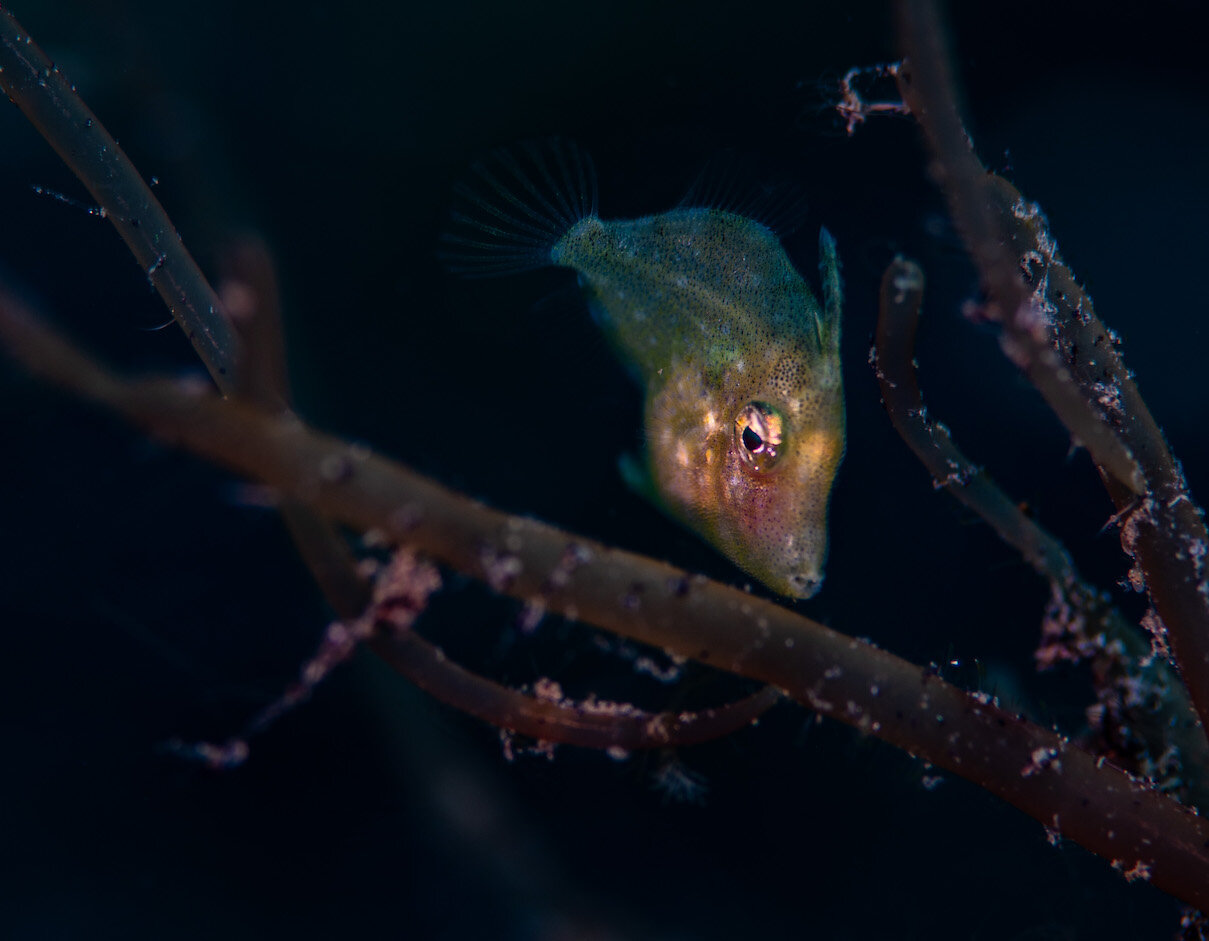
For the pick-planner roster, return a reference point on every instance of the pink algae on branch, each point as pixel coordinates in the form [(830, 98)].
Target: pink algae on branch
[(856, 106), (1041, 759), (1139, 870), (401, 590)]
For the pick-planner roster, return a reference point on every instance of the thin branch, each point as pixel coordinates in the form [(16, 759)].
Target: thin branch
[(250, 289), (39, 89), (257, 374), (1123, 664), (552, 717), (926, 87), (901, 297), (251, 293), (1067, 789), (1165, 530), (1058, 784), (251, 297), (1050, 331)]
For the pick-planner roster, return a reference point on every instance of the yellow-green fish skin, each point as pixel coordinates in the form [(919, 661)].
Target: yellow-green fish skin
[(744, 408), (706, 307)]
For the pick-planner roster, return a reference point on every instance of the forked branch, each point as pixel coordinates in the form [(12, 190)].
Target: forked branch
[(1049, 329), (1067, 789), (1124, 819), (1144, 715)]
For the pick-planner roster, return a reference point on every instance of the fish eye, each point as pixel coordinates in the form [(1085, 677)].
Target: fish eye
[(759, 431)]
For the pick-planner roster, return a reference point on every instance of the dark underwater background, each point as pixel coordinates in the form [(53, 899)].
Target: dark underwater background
[(142, 598)]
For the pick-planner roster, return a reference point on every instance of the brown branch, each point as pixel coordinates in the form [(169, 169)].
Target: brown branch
[(1121, 658), (1050, 331), (554, 718), (926, 87), (254, 369), (40, 90), (1165, 530), (251, 297), (1069, 790), (900, 299), (250, 289), (1036, 770)]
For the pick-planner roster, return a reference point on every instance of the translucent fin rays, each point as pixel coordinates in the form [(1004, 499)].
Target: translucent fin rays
[(516, 205), (737, 183)]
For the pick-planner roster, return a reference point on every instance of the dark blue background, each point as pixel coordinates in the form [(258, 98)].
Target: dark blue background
[(140, 599)]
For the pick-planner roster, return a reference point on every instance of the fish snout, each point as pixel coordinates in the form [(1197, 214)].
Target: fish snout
[(799, 565), (805, 584)]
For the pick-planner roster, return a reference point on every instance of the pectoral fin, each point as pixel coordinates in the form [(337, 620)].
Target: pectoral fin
[(636, 474)]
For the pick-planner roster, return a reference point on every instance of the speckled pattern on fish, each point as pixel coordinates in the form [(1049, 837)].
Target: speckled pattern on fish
[(744, 407)]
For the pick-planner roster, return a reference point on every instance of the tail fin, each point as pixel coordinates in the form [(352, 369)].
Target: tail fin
[(516, 205)]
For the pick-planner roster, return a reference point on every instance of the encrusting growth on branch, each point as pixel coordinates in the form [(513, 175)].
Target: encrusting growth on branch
[(851, 680), (381, 614), (1049, 329), (1143, 712), (247, 361)]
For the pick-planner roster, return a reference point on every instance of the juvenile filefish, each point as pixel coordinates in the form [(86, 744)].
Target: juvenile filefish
[(744, 406)]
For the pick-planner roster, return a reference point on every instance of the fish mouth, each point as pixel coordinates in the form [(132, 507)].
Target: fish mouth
[(804, 584)]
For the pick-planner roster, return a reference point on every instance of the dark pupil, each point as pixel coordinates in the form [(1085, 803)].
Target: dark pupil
[(752, 441)]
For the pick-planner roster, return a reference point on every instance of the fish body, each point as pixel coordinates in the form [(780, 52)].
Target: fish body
[(744, 409)]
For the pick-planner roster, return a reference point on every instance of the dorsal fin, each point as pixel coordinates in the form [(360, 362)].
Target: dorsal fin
[(735, 183), (515, 205), (831, 315)]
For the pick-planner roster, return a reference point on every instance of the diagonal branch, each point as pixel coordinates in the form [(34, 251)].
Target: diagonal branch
[(40, 90), (254, 370), (1069, 790), (250, 289)]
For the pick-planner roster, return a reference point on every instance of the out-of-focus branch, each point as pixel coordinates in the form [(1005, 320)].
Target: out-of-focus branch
[(1051, 332), (251, 296), (1122, 665), (50, 102), (1069, 790)]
